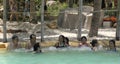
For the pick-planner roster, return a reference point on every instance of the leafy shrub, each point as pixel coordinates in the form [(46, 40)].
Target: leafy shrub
[(55, 9)]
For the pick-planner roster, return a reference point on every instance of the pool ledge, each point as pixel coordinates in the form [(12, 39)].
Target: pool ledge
[(104, 43)]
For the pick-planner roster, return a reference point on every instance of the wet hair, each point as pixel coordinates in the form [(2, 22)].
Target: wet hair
[(83, 37), (61, 36), (67, 40), (31, 36), (15, 37), (113, 41), (94, 42)]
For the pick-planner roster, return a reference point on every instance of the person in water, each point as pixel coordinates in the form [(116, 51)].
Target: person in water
[(83, 42), (62, 42), (29, 45), (112, 45), (37, 48), (95, 45), (66, 42), (15, 43), (32, 39)]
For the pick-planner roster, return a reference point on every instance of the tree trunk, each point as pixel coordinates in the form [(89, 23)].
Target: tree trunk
[(118, 22), (96, 19), (32, 12)]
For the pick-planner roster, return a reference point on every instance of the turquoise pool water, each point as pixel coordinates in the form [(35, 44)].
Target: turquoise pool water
[(60, 57)]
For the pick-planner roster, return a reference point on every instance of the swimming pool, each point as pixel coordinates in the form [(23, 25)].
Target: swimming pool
[(60, 57)]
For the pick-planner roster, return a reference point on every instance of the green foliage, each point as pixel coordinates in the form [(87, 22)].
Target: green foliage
[(75, 5), (55, 9), (1, 1), (38, 4), (111, 13)]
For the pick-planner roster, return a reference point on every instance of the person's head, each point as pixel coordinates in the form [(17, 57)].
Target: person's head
[(112, 45), (61, 38), (32, 36), (94, 43), (83, 39), (15, 39)]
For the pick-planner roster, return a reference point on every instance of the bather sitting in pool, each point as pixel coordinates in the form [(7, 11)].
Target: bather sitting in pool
[(62, 42), (66, 42), (14, 44), (32, 39), (37, 48), (112, 46), (95, 45), (83, 42), (29, 45)]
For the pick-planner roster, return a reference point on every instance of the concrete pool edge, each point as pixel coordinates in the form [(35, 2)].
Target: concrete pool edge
[(52, 43)]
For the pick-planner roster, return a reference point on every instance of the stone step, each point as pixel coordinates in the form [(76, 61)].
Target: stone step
[(2, 46)]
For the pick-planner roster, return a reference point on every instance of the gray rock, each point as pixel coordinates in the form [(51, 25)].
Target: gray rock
[(69, 18)]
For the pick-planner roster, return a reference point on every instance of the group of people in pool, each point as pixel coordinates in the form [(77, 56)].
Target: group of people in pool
[(94, 45), (62, 43), (29, 46)]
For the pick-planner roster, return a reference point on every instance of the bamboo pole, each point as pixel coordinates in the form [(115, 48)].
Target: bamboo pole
[(4, 21), (42, 21), (80, 19), (118, 22)]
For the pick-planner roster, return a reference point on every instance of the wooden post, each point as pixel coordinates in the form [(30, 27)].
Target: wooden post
[(80, 19), (118, 22), (42, 20), (4, 21)]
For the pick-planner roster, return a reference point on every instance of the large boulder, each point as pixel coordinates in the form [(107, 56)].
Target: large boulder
[(69, 18)]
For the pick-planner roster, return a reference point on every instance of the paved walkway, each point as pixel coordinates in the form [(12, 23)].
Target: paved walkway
[(53, 34)]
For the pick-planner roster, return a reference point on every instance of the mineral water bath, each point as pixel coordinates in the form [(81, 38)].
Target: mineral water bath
[(60, 57)]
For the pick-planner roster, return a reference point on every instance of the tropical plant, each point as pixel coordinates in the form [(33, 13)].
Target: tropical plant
[(55, 9)]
